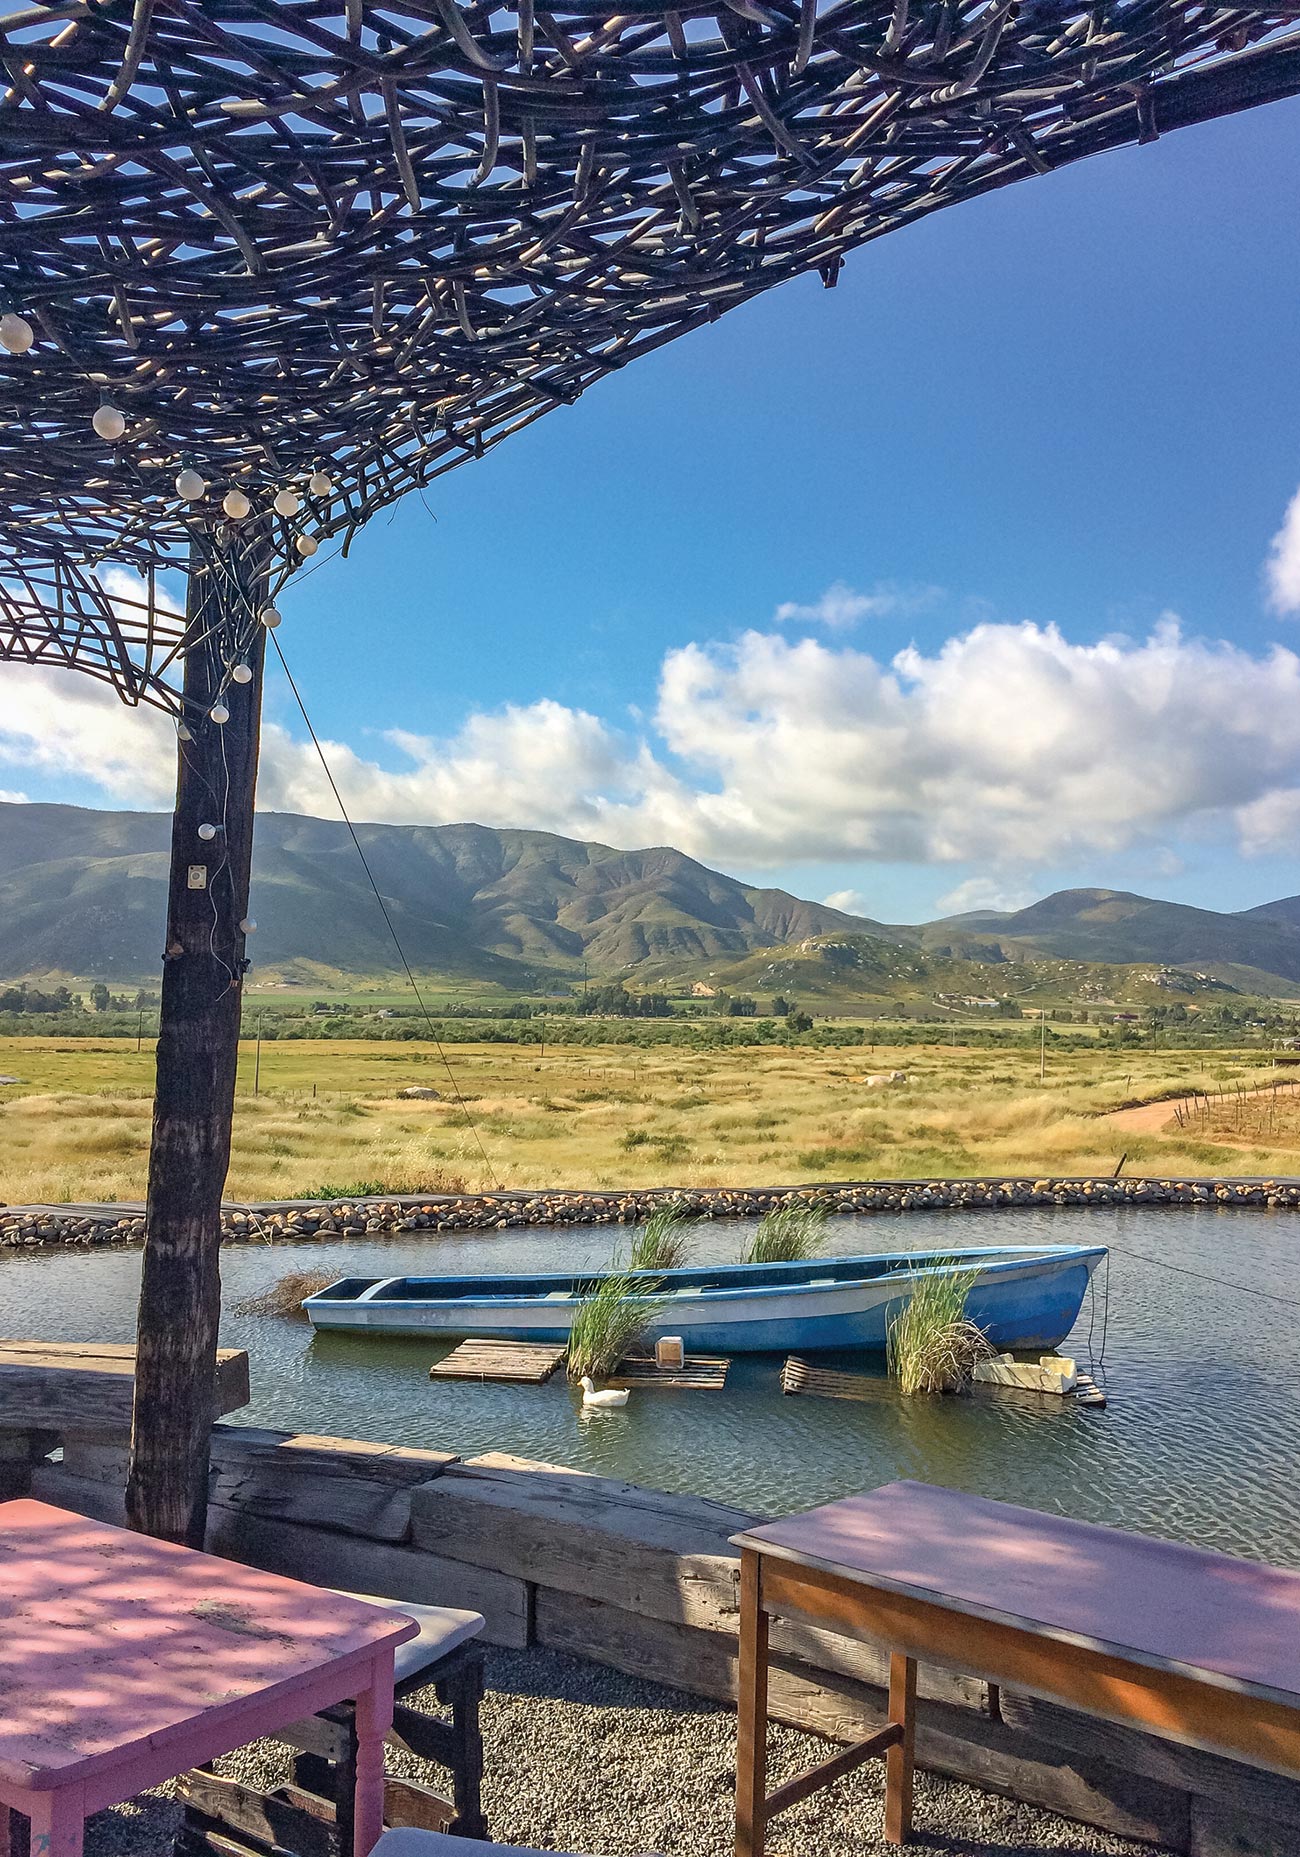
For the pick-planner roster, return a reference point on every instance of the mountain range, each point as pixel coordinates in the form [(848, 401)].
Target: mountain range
[(83, 894)]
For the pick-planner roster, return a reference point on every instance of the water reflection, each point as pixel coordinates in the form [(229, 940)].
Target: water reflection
[(1201, 1439)]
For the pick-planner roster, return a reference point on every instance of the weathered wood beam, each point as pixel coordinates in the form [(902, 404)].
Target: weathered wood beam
[(198, 1047), (87, 1388)]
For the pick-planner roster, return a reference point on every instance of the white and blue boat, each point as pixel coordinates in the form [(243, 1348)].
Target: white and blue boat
[(1023, 1296)]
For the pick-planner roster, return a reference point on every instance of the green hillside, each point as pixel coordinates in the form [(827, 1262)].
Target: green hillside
[(832, 973), (84, 893), (1116, 926)]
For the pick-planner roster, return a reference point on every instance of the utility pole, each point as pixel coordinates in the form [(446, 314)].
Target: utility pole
[(139, 1031), (198, 1042)]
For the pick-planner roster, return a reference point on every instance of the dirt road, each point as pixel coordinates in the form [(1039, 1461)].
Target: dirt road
[(1147, 1118)]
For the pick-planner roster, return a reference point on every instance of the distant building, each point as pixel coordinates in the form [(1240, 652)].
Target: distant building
[(702, 990)]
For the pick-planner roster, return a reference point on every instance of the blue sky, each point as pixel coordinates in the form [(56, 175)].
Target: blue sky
[(1071, 405)]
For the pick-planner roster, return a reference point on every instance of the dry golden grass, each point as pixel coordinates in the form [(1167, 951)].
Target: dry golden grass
[(1270, 1120), (77, 1128)]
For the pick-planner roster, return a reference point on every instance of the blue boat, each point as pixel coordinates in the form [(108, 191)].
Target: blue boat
[(1023, 1296)]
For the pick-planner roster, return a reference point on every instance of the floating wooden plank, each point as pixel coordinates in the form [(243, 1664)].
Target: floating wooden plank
[(829, 1383), (703, 1372), (88, 1386), (527, 1362)]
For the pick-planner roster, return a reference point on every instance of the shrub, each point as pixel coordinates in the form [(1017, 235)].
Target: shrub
[(286, 1296), (664, 1241), (932, 1345), (787, 1234), (609, 1322)]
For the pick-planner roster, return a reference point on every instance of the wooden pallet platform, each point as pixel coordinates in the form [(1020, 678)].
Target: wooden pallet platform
[(530, 1363), (830, 1383), (703, 1372)]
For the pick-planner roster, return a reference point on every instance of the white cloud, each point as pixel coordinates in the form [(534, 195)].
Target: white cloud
[(1282, 569), (539, 765), (12, 799), (982, 893), (1008, 746), (841, 606), (57, 723), (1271, 823), (543, 765), (852, 902)]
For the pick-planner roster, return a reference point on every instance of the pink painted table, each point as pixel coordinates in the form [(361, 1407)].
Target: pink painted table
[(125, 1661)]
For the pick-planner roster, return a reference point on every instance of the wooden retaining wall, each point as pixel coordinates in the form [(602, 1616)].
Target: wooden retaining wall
[(647, 1583)]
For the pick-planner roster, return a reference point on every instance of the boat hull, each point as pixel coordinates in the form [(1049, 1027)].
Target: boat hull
[(1028, 1300)]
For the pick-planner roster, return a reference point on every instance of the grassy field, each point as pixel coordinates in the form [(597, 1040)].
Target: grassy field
[(328, 1116)]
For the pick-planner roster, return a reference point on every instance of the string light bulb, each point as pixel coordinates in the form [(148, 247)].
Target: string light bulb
[(219, 713), (207, 833), (287, 503), (320, 483), (16, 333), (236, 505), (242, 673), (270, 617), (189, 484), (109, 422), (306, 546), (183, 732), (248, 926)]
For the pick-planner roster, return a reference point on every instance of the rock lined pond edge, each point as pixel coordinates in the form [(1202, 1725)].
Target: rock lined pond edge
[(34, 1227)]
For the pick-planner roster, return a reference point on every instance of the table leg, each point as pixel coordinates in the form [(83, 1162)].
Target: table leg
[(374, 1717), (751, 1723), (58, 1823), (900, 1759)]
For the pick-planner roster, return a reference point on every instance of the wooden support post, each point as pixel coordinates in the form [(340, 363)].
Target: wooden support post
[(198, 1045), (751, 1725), (901, 1757)]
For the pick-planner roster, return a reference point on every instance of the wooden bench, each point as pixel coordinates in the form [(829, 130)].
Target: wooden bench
[(1198, 1647)]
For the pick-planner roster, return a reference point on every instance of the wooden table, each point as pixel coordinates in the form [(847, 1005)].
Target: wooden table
[(1198, 1647), (124, 1661)]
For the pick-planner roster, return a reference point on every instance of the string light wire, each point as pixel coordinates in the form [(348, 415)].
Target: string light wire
[(461, 1104)]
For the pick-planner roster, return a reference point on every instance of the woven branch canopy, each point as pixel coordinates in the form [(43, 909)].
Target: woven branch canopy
[(326, 252)]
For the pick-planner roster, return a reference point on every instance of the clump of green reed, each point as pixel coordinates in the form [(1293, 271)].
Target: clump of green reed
[(285, 1297), (932, 1345), (788, 1234), (609, 1322), (664, 1241)]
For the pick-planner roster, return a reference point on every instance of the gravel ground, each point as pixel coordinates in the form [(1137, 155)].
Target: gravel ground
[(580, 1758)]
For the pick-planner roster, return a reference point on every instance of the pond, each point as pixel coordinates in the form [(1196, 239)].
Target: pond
[(1201, 1438)]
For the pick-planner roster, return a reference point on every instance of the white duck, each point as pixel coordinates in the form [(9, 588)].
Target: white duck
[(605, 1401)]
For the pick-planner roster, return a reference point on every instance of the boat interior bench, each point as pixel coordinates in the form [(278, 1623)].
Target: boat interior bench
[(312, 1817), (1198, 1647)]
